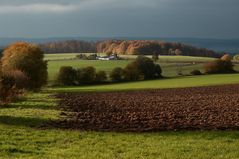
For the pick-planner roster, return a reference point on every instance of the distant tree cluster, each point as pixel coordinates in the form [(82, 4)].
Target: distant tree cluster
[(127, 47), (222, 65), (142, 68), (146, 47), (87, 57), (71, 46), (69, 76)]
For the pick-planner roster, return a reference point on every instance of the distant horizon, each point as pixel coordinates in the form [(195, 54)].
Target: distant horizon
[(115, 37)]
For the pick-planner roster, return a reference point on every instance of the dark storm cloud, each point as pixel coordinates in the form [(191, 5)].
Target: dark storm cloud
[(163, 18)]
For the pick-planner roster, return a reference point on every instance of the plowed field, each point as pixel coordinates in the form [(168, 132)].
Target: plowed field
[(199, 108)]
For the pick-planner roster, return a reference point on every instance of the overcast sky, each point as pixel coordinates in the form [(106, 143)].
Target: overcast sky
[(124, 18)]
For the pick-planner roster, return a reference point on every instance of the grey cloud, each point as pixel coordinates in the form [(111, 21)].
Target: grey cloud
[(177, 18)]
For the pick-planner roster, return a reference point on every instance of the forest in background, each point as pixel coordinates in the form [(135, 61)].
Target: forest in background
[(127, 47)]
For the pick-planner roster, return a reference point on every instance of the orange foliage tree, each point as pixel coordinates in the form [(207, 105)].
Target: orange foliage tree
[(27, 58)]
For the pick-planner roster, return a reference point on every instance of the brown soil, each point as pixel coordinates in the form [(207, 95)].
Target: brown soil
[(200, 108)]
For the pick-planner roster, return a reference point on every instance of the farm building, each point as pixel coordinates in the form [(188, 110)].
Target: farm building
[(111, 57)]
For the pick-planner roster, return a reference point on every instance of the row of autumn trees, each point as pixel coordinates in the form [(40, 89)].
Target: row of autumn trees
[(142, 68), (127, 47), (22, 67)]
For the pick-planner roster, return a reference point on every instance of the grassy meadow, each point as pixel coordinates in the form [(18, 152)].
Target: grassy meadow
[(54, 66), (176, 82), (25, 134), (169, 64)]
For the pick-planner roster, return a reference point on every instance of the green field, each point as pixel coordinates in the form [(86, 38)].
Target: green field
[(68, 56), (24, 134), (169, 64), (54, 66), (179, 82)]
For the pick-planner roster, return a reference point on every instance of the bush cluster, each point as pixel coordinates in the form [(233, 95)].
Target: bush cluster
[(196, 72), (12, 84), (223, 65), (142, 68), (69, 76), (15, 78), (85, 57)]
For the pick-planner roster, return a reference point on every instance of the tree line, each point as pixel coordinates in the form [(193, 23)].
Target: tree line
[(127, 47), (142, 68), (71, 46)]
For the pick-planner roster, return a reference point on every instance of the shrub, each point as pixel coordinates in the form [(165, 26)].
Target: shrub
[(196, 72), (86, 75), (8, 94), (10, 86), (116, 74), (219, 66), (92, 57), (85, 57), (80, 56), (100, 77), (29, 59), (16, 79), (67, 76)]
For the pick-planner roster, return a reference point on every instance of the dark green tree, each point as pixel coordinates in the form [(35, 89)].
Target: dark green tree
[(116, 74), (67, 76)]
